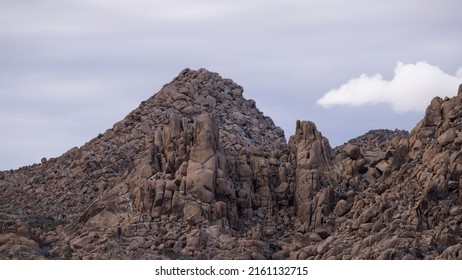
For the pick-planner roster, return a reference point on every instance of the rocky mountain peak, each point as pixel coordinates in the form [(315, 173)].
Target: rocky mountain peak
[(197, 171), (193, 93)]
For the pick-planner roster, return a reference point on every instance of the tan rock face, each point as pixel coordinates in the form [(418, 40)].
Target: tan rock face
[(197, 171), (312, 154), (205, 141)]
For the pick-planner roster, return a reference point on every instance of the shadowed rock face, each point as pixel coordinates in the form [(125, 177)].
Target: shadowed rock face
[(197, 171)]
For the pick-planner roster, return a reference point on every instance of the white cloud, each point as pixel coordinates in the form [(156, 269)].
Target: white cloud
[(411, 89), (459, 73)]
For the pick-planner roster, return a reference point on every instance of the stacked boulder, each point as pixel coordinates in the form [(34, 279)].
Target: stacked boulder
[(197, 171)]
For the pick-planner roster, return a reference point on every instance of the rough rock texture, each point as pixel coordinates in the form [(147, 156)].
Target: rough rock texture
[(197, 171)]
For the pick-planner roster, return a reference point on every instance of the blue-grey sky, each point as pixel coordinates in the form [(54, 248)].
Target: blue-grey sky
[(70, 69)]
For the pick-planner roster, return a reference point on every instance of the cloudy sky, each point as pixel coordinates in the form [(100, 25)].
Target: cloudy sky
[(69, 69)]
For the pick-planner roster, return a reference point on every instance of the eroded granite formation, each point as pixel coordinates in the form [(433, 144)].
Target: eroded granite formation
[(197, 171)]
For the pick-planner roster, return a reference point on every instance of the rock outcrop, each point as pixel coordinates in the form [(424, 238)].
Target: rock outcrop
[(197, 171)]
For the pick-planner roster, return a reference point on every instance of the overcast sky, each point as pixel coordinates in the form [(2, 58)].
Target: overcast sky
[(70, 69)]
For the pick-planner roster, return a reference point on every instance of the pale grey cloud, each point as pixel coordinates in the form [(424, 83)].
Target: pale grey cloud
[(411, 88)]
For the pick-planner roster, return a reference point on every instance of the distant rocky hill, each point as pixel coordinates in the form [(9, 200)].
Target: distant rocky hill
[(378, 137), (197, 171)]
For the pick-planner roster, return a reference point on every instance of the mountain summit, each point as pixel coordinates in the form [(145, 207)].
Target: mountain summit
[(197, 171)]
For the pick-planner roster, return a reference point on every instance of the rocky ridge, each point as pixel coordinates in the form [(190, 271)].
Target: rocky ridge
[(197, 171)]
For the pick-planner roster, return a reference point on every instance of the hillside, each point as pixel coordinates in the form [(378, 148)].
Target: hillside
[(197, 171)]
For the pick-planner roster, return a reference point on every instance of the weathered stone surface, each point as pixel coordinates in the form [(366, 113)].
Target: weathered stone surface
[(447, 137), (433, 113), (342, 208), (197, 171), (352, 151)]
